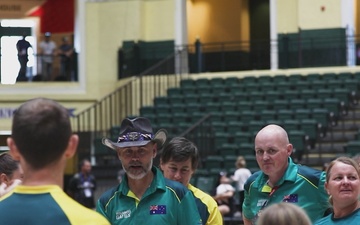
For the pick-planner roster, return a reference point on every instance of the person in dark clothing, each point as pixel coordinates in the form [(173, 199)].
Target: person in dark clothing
[(22, 49), (82, 185), (66, 51)]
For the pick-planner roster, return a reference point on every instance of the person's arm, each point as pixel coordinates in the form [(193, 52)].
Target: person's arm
[(224, 196), (188, 213)]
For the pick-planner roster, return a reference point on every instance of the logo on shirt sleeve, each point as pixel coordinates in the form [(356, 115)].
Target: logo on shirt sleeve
[(157, 209), (123, 214)]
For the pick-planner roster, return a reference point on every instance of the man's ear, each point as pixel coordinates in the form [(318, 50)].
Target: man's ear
[(155, 150), (72, 146), (14, 151), (161, 164)]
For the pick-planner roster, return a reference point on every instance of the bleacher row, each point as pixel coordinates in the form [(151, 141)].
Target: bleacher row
[(305, 105)]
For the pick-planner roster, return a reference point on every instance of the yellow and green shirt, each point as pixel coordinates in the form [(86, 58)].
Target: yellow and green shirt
[(34, 205)]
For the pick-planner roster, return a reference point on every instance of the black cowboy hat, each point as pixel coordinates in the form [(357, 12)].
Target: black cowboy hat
[(136, 132)]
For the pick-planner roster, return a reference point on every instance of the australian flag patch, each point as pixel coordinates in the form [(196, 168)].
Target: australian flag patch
[(293, 198), (157, 209)]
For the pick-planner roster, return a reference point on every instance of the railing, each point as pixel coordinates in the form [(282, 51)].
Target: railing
[(127, 99), (297, 50)]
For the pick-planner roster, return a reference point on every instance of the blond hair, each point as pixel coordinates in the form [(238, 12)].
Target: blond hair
[(240, 162), (283, 214)]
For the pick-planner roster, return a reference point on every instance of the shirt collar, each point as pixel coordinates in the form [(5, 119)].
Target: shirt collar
[(289, 175), (157, 183)]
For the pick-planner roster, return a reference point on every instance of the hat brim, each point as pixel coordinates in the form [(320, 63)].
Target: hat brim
[(159, 138)]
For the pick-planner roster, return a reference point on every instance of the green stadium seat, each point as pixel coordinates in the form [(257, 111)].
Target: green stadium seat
[(205, 98), (244, 105), (303, 113), (214, 161), (174, 91), (259, 105), (205, 183), (352, 147), (264, 79), (246, 149), (187, 83), (285, 114), (229, 162), (294, 78), (160, 100), (272, 95), (297, 104), (266, 115), (280, 104), (202, 82), (241, 137), (279, 78), (228, 149)]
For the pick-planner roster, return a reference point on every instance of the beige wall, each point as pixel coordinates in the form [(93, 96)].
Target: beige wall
[(158, 20), (287, 16), (311, 15), (308, 14), (108, 24)]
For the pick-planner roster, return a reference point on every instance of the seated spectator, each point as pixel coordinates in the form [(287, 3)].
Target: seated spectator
[(224, 195), (240, 176), (283, 213)]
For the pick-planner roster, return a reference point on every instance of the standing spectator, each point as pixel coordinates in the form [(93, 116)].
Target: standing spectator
[(144, 196), (179, 161), (82, 185), (343, 186), (284, 214), (22, 50), (66, 51), (11, 173), (41, 139), (240, 176), (281, 180), (47, 53), (224, 195)]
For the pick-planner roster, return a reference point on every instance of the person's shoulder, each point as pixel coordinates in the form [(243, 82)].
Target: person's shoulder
[(311, 174), (179, 189), (79, 214), (251, 179), (203, 196), (324, 221), (108, 195)]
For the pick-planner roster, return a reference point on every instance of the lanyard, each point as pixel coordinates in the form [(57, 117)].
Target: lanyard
[(264, 204), (270, 194)]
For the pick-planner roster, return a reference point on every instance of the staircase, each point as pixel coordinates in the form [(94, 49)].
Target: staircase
[(333, 143)]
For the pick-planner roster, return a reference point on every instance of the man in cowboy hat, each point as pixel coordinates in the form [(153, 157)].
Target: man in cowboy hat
[(144, 196)]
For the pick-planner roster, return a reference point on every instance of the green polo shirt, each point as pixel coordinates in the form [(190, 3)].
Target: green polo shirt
[(351, 219), (164, 202), (301, 185)]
